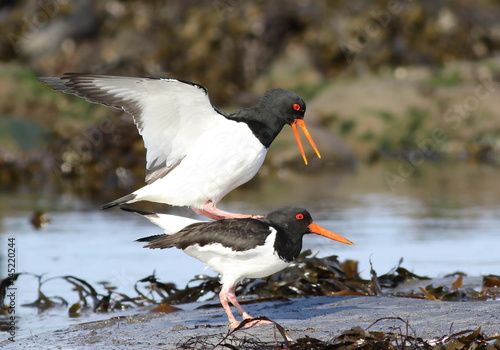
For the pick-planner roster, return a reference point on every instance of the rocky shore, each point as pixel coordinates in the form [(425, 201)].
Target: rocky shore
[(321, 318), (326, 319)]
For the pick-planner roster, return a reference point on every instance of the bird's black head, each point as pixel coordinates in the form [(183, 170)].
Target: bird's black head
[(280, 107), (276, 108), (285, 105), (294, 221), (291, 224)]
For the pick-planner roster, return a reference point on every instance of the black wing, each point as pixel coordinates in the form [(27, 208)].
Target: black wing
[(237, 234)]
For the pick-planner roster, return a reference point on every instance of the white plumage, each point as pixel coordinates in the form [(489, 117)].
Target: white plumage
[(195, 154), (234, 266)]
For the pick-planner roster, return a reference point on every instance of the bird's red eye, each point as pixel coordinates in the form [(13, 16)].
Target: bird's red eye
[(299, 216), (296, 106)]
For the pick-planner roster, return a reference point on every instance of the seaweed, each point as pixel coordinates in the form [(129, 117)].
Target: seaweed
[(235, 340), (307, 276), (398, 276), (4, 285), (400, 336), (491, 286)]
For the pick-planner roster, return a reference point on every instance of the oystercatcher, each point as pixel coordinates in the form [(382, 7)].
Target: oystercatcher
[(239, 248), (196, 154)]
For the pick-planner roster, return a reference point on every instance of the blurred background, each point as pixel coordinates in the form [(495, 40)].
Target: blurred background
[(403, 100)]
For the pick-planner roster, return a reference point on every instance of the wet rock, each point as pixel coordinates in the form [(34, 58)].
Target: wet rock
[(39, 219)]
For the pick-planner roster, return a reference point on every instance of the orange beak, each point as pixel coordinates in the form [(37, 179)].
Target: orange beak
[(309, 138), (328, 234)]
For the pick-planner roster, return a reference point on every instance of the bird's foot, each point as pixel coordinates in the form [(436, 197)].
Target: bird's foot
[(244, 216), (234, 324), (246, 315), (250, 322), (209, 210)]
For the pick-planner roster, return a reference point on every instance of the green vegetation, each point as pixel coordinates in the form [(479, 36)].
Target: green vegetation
[(308, 91), (443, 78), (346, 126), (17, 134), (23, 95), (400, 133)]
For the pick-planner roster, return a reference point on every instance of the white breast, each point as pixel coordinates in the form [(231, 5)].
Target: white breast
[(234, 266), (225, 157)]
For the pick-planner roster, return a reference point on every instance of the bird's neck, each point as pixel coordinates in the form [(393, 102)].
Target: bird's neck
[(288, 248), (263, 123)]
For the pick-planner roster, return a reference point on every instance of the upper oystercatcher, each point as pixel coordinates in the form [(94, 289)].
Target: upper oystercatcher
[(195, 153), (239, 248)]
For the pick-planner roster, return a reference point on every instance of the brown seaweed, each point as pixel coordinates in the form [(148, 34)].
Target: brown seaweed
[(307, 276), (399, 336)]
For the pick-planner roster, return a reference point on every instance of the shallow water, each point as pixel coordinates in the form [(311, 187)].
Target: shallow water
[(441, 219)]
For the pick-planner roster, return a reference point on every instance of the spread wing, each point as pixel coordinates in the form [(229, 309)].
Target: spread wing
[(169, 113)]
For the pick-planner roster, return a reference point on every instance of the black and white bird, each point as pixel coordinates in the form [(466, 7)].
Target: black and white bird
[(238, 248), (196, 154)]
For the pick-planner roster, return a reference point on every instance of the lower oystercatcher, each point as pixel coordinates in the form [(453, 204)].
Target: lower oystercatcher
[(196, 154), (239, 248)]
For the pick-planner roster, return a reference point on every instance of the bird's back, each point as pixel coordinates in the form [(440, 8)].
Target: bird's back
[(220, 161)]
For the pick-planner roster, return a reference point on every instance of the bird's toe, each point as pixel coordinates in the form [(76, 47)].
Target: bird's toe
[(256, 322)]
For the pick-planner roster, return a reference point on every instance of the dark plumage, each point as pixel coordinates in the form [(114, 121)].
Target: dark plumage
[(238, 234)]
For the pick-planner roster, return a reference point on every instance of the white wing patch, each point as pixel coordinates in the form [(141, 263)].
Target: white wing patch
[(170, 223)]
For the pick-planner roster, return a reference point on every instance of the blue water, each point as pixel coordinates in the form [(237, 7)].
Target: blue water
[(442, 219)]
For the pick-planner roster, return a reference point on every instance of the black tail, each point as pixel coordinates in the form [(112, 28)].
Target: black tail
[(122, 200), (144, 213), (150, 238), (160, 241), (137, 211)]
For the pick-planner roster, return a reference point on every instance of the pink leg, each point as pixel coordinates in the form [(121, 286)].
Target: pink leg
[(209, 210), (223, 300), (228, 294), (232, 298)]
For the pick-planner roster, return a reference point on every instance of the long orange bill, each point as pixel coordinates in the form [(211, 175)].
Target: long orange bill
[(302, 125), (328, 234)]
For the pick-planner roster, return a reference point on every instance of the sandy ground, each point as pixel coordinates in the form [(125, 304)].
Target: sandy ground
[(317, 317)]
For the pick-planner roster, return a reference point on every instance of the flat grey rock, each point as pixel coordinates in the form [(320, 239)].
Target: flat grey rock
[(317, 317)]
